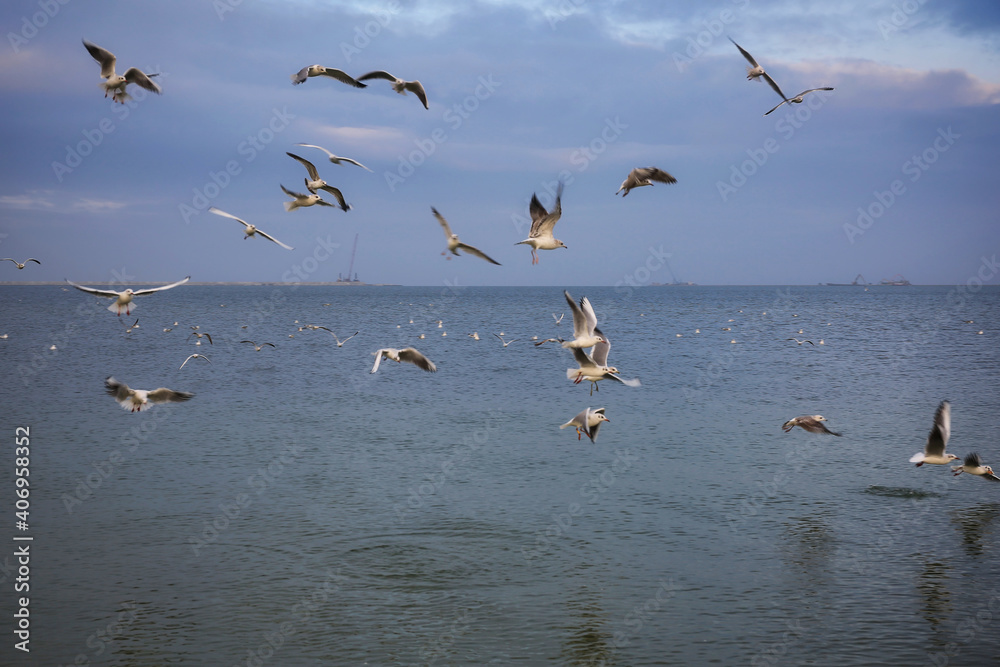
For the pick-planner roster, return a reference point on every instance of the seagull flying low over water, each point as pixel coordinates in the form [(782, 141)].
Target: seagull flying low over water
[(335, 159), (587, 423), (195, 356), (798, 98), (757, 72), (199, 336), (542, 222), (558, 319), (399, 85), (454, 245), (137, 400), (974, 466), (248, 229), (584, 324), (594, 367), (257, 347), (115, 84), (319, 70), (409, 355), (301, 200), (340, 343), (937, 439), (641, 176), (123, 300), (20, 265), (505, 342), (802, 341), (811, 423), (314, 182)]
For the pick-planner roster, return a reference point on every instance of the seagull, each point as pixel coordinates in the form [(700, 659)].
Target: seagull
[(248, 229), (340, 343), (505, 342), (937, 439), (802, 341), (314, 182), (540, 237), (584, 324), (644, 176), (195, 356), (558, 319), (399, 85), (454, 245), (474, 335), (319, 70), (594, 367), (135, 325), (115, 84), (336, 159), (124, 299), (20, 265), (587, 423), (137, 400), (974, 466), (549, 340), (257, 347), (200, 336), (798, 98), (409, 355), (303, 200), (757, 72), (810, 423)]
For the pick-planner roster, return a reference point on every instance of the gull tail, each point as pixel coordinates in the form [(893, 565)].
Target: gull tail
[(291, 206), (118, 310)]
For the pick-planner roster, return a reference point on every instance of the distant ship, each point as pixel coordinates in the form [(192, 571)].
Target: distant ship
[(897, 280), (342, 280)]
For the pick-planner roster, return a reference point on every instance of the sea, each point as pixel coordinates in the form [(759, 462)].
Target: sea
[(299, 510)]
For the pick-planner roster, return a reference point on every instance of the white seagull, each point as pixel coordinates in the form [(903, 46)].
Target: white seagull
[(802, 341), (301, 200), (257, 347), (195, 356), (798, 98), (340, 343), (937, 439), (542, 222), (641, 176), (319, 70), (558, 319), (199, 336), (454, 245), (123, 300), (248, 229), (587, 423), (974, 466), (506, 342), (409, 355), (336, 159), (314, 182), (811, 423), (757, 72), (20, 265), (584, 324), (115, 84), (594, 367), (399, 85), (137, 400)]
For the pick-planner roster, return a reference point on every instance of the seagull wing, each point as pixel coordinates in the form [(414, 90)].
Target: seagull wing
[(588, 311), (410, 355), (444, 223), (580, 327), (937, 439), (143, 292), (811, 90), (164, 395), (601, 350), (99, 292), (212, 209), (294, 195), (352, 161), (341, 342), (537, 212), (745, 53), (271, 238), (770, 82), (417, 89), (117, 390), (472, 250), (659, 175), (776, 106), (336, 193), (377, 74), (310, 167), (378, 360), (328, 153), (102, 56), (32, 259), (141, 79), (342, 76), (300, 76)]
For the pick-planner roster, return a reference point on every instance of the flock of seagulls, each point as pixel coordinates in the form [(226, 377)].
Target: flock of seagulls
[(755, 73)]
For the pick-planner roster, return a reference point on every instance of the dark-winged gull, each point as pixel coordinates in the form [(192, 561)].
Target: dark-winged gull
[(641, 176), (811, 423), (248, 229), (399, 85), (937, 439), (124, 299), (136, 400), (454, 245), (115, 84), (542, 222), (409, 355)]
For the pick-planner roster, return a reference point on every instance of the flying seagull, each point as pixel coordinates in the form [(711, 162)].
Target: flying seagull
[(802, 341), (195, 356), (123, 300), (199, 336), (587, 423), (540, 237), (505, 342), (399, 85), (974, 466), (248, 229), (20, 265), (594, 367), (336, 159), (319, 70), (798, 98), (757, 72), (811, 423), (301, 200), (137, 400), (257, 347), (937, 439), (558, 319), (314, 182), (115, 84), (641, 176), (340, 343), (584, 324), (409, 355), (454, 245)]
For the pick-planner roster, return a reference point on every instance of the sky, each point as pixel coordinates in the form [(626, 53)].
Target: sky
[(891, 174)]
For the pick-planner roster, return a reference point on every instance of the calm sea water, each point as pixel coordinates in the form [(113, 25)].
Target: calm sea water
[(300, 511)]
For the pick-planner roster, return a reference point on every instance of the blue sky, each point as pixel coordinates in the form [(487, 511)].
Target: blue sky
[(891, 173)]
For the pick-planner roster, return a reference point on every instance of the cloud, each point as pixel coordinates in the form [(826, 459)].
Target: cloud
[(33, 200), (97, 205)]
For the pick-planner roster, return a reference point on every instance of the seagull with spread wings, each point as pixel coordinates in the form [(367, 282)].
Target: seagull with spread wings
[(542, 222), (937, 439), (115, 84), (20, 265), (248, 229), (757, 72), (195, 356), (811, 423), (319, 70), (973, 465), (594, 367), (137, 400), (399, 85), (314, 182), (409, 355), (584, 324), (587, 423), (123, 300), (336, 159), (300, 200), (340, 343), (641, 176), (797, 99), (454, 245)]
